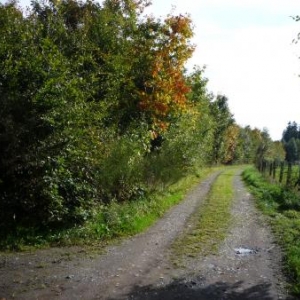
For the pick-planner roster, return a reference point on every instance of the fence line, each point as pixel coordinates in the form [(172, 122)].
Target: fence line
[(283, 172)]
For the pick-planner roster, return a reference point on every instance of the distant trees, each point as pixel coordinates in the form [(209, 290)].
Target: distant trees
[(222, 120), (291, 142), (268, 152)]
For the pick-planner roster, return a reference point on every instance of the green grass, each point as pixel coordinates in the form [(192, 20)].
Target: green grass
[(209, 225), (294, 175), (283, 208), (110, 222)]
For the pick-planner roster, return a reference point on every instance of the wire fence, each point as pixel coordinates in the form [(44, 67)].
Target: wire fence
[(282, 172)]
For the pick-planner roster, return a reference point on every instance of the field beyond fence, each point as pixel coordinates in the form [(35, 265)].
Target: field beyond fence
[(286, 174)]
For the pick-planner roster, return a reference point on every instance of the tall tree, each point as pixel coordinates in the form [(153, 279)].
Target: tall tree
[(165, 48), (223, 119), (231, 143), (292, 151), (84, 88), (290, 132)]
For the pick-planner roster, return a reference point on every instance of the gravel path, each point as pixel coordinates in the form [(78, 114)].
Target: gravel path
[(247, 266), (140, 268), (50, 274)]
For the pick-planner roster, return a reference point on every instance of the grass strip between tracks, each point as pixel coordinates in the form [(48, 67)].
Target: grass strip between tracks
[(209, 225)]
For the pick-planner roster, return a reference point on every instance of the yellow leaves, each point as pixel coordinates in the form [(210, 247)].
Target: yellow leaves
[(180, 25), (165, 47), (231, 141), (153, 134)]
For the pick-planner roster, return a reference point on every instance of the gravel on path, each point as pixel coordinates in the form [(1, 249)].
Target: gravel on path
[(247, 265), (48, 274)]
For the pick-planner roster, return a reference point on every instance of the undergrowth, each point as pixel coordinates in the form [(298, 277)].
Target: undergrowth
[(210, 223), (283, 208), (110, 222)]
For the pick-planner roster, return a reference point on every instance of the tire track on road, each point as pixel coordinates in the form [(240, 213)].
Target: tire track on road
[(138, 261)]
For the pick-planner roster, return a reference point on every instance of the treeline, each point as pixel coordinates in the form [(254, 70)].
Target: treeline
[(96, 106), (291, 142), (283, 169), (288, 175)]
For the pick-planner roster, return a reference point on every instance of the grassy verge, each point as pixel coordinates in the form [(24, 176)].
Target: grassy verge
[(210, 224), (283, 208), (110, 222)]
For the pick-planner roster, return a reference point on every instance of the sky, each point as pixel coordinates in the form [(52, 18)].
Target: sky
[(246, 46)]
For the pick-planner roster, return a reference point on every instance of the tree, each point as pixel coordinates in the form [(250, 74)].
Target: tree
[(161, 83), (231, 143), (291, 141), (279, 152), (246, 149), (75, 126), (222, 120), (292, 152), (290, 132)]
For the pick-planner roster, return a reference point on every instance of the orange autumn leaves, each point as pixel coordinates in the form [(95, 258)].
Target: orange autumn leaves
[(164, 91)]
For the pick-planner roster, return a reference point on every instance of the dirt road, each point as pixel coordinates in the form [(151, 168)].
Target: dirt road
[(247, 266)]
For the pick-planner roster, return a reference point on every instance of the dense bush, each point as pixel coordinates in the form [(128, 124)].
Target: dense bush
[(96, 106), (76, 123)]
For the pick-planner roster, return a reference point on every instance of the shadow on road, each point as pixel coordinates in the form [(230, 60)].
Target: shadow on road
[(195, 289)]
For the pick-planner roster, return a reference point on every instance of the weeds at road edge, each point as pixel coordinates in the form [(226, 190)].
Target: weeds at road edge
[(284, 215), (111, 222)]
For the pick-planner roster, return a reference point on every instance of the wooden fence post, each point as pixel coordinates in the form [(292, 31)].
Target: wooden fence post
[(297, 183), (289, 175), (264, 166), (281, 172), (274, 169), (270, 168)]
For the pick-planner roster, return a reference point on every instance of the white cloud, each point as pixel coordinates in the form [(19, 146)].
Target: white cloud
[(246, 45)]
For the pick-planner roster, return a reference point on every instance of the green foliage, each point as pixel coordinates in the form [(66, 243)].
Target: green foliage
[(284, 210), (290, 132), (110, 221), (222, 119), (72, 133), (96, 108), (291, 141), (291, 150)]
